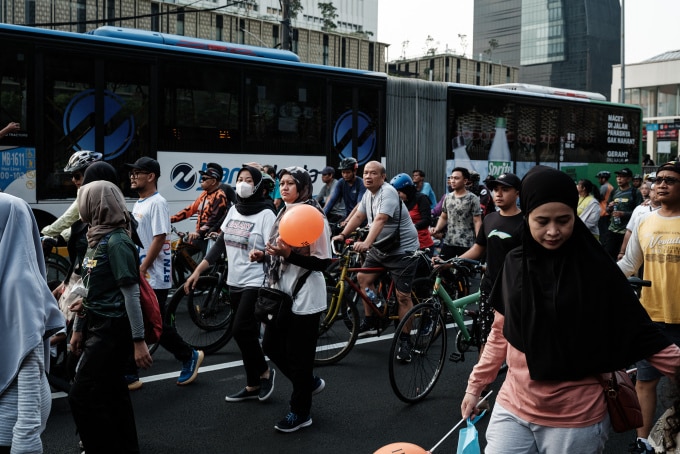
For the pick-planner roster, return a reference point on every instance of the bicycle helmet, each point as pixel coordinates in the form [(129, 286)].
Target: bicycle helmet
[(267, 182), (401, 181), (348, 164), (474, 176), (80, 160), (603, 174)]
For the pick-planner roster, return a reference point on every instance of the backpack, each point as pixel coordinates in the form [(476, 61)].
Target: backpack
[(151, 312)]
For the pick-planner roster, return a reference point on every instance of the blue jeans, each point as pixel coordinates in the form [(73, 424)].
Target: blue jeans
[(508, 434)]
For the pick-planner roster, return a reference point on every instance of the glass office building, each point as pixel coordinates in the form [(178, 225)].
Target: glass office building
[(558, 43)]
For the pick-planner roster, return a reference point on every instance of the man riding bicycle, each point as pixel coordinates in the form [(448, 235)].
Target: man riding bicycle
[(386, 215)]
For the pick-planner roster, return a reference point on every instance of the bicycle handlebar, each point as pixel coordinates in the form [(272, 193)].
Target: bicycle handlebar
[(635, 281)]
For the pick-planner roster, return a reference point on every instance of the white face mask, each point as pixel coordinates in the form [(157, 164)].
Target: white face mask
[(244, 190)]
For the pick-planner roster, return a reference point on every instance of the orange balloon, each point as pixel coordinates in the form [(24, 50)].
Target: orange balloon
[(401, 448), (301, 225)]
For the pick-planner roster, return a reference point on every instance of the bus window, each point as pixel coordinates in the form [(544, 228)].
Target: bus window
[(284, 115), (199, 108), (69, 106)]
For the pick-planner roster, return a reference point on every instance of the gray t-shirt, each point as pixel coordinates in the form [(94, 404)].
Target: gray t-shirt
[(387, 201)]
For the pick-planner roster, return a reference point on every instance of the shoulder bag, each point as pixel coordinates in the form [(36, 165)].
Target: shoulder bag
[(622, 401), (151, 312), (271, 303), (393, 240)]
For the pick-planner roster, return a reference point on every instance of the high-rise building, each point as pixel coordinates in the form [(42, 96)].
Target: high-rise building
[(558, 43)]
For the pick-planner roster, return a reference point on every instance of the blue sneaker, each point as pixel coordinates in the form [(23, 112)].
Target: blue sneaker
[(190, 368), (293, 422)]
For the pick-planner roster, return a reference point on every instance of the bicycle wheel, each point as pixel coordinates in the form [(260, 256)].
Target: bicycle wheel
[(203, 317), (414, 377), (337, 331), (56, 267)]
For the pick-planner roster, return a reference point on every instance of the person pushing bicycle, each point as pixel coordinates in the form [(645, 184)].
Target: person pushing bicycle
[(387, 217)]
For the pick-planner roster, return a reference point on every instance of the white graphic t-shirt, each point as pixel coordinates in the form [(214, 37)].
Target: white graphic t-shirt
[(153, 217), (241, 234)]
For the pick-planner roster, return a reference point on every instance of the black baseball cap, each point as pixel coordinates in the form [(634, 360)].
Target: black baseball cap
[(328, 170), (505, 179), (213, 170), (625, 172), (147, 165)]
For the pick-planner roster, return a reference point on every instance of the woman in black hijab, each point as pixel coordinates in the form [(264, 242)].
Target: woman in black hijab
[(291, 342), (558, 328), (245, 229)]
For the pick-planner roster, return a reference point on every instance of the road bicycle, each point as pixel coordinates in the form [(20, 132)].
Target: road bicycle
[(414, 378), (203, 317), (339, 325)]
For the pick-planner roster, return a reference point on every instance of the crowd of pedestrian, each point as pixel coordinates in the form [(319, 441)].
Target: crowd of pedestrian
[(535, 234)]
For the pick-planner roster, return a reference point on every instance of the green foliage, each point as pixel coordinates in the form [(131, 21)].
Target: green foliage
[(328, 13), (295, 8)]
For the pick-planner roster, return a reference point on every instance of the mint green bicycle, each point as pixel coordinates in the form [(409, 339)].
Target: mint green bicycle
[(414, 375)]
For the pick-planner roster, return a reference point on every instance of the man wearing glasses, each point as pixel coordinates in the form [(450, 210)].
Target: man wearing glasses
[(655, 240), (152, 214), (211, 205)]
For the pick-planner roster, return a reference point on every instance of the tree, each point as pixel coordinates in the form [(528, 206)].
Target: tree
[(493, 44), (328, 13), (295, 8)]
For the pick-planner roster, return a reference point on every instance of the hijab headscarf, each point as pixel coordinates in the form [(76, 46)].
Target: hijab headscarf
[(100, 170), (102, 206), (303, 183), (257, 201), (28, 312), (571, 311)]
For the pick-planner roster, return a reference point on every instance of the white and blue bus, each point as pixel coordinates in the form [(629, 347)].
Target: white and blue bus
[(186, 102)]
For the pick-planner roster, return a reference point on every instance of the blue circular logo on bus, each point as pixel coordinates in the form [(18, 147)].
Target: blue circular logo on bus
[(183, 177), (78, 126), (366, 135)]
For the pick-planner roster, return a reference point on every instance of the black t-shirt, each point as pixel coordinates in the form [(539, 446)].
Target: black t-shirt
[(500, 235)]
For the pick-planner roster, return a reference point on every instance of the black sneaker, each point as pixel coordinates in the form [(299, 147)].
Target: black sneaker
[(368, 327), (244, 394), (293, 422), (404, 350), (639, 447), (267, 386)]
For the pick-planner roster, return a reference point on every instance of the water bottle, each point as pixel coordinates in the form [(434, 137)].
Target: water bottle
[(617, 221), (372, 296)]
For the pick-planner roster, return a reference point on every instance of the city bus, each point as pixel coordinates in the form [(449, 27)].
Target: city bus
[(187, 102)]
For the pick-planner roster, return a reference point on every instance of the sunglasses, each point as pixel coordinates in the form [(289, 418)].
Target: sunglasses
[(77, 176), (206, 178), (137, 173), (670, 181)]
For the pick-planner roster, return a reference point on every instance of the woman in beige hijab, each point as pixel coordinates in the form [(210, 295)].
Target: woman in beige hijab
[(99, 398)]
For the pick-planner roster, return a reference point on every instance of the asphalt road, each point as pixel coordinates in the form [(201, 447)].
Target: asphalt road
[(356, 413)]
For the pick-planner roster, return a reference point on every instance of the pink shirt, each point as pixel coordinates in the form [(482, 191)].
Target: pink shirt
[(567, 404)]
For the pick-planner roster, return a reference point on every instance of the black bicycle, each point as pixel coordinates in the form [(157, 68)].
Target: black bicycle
[(203, 317)]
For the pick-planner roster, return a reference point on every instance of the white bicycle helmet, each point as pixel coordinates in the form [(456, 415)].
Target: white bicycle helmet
[(81, 160)]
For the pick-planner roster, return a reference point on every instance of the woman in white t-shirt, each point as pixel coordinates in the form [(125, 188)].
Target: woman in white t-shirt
[(291, 342), (245, 230)]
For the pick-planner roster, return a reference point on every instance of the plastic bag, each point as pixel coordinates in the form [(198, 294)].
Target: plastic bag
[(74, 290), (468, 439)]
